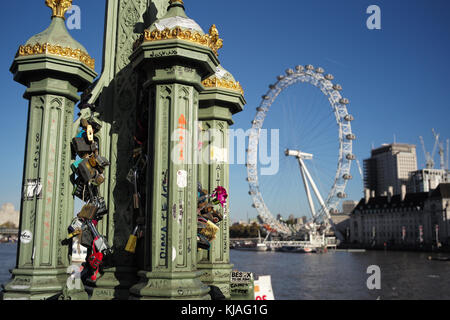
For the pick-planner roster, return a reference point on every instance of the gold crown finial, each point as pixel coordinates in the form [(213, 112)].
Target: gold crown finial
[(59, 7), (216, 42)]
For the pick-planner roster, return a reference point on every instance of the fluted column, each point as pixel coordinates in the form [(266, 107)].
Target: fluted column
[(217, 105), (47, 203)]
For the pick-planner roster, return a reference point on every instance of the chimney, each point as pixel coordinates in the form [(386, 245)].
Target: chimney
[(366, 195), (390, 193), (403, 194), (372, 194)]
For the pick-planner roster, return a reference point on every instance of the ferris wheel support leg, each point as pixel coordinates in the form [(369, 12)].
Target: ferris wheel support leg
[(319, 197), (308, 192)]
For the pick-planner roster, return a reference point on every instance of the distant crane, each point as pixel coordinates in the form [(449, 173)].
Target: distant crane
[(430, 157), (446, 164)]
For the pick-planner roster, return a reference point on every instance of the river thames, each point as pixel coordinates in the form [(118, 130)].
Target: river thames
[(330, 276)]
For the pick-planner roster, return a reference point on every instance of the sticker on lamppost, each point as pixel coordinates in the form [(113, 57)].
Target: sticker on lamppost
[(182, 178), (32, 188), (374, 21), (374, 281), (26, 236)]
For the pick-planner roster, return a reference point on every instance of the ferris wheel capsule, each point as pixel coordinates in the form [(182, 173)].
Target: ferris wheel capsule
[(280, 77), (309, 67), (289, 72), (350, 156), (329, 77), (347, 176), (320, 70), (265, 97), (344, 101), (349, 117), (337, 87), (272, 86), (342, 195), (299, 68), (350, 136)]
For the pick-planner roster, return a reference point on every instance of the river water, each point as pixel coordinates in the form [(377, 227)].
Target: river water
[(334, 275)]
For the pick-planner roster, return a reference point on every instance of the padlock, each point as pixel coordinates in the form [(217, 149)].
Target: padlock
[(95, 260), (102, 162), (80, 190), (81, 147), (81, 134), (210, 231), (84, 123), (88, 211), (202, 242), (95, 126), (209, 216), (101, 206), (75, 165), (98, 180), (76, 224), (86, 171), (100, 242), (87, 237), (101, 245), (217, 216), (132, 241), (92, 161)]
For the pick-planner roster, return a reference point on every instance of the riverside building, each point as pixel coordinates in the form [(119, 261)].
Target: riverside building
[(406, 219)]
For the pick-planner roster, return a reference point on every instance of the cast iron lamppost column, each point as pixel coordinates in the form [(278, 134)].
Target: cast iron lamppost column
[(174, 55), (54, 67), (222, 98), (116, 97)]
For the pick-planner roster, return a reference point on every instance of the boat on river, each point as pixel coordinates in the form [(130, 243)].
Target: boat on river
[(295, 249)]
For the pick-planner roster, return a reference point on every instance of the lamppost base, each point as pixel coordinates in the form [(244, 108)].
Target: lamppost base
[(170, 286)]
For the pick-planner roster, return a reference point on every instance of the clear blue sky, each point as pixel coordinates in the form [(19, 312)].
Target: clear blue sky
[(396, 78)]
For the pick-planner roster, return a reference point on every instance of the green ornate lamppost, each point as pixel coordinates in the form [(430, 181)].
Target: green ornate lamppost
[(54, 68)]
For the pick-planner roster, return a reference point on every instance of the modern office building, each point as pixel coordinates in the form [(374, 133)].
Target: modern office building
[(389, 165)]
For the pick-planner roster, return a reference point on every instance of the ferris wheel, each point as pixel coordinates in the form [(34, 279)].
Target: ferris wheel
[(333, 192)]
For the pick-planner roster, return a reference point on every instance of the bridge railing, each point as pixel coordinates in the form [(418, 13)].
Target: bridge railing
[(9, 231)]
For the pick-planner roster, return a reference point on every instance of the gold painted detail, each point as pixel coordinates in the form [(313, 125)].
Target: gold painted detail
[(59, 7), (176, 1), (214, 82), (210, 40), (66, 52)]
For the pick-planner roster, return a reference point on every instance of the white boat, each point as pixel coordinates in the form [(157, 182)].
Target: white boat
[(261, 247)]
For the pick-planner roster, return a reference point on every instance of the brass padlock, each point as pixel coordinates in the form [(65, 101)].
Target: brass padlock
[(86, 171), (98, 180), (88, 211), (132, 241)]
